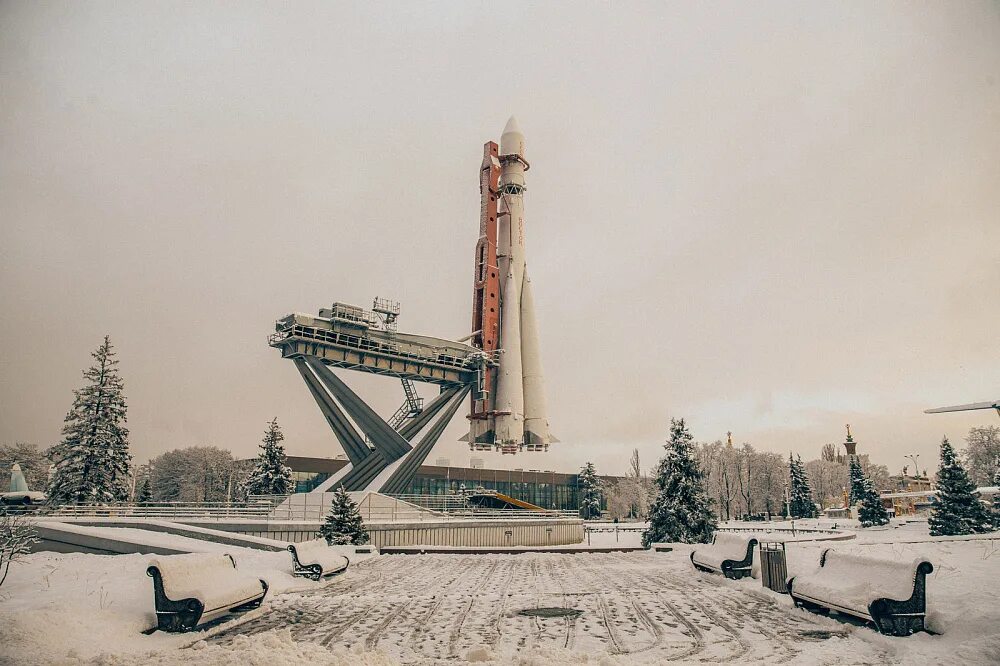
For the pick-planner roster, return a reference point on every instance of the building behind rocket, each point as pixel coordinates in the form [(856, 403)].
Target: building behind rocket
[(508, 411)]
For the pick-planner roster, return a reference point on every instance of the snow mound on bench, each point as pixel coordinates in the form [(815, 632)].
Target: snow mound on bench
[(205, 576), (318, 552), (854, 581), (726, 547)]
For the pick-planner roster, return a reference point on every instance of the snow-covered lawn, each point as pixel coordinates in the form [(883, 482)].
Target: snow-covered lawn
[(72, 608), (635, 608)]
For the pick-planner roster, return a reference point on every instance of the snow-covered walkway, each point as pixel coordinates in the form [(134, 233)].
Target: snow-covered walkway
[(633, 608), (644, 607)]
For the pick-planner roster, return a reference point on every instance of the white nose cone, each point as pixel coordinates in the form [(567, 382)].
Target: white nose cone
[(512, 139), (17, 482)]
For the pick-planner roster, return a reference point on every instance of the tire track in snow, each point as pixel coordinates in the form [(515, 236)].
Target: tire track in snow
[(569, 621), (655, 631), (456, 631), (699, 640), (761, 611), (350, 621), (615, 643), (654, 587), (691, 594), (460, 571), (371, 641), (497, 623)]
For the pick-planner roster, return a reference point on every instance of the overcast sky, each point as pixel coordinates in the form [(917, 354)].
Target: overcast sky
[(771, 220)]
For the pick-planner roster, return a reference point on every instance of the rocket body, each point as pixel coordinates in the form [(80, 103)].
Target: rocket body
[(510, 413), (536, 422)]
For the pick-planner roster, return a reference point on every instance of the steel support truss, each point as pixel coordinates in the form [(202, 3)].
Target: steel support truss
[(388, 446)]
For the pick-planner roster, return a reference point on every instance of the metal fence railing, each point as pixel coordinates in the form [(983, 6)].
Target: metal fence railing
[(458, 504), (309, 507), (164, 510)]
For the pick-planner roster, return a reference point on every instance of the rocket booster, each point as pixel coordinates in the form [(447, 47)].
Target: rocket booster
[(508, 412)]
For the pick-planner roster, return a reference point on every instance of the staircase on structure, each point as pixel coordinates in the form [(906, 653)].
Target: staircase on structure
[(411, 407)]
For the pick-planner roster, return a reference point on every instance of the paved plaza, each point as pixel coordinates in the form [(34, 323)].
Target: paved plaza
[(650, 607)]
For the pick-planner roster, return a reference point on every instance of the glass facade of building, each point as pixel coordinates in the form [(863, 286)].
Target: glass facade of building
[(306, 481), (549, 490), (558, 495)]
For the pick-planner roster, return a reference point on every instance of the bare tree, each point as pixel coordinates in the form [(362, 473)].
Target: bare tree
[(770, 480), (635, 470), (746, 464), (827, 479), (630, 496), (727, 479), (981, 453), (828, 453), (193, 474), (17, 534), (708, 460), (877, 474), (620, 498)]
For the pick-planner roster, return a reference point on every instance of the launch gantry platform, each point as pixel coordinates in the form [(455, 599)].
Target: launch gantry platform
[(387, 456)]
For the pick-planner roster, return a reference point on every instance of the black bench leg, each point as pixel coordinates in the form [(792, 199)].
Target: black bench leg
[(179, 621), (899, 625)]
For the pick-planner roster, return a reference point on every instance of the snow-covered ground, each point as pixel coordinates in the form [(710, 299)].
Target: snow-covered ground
[(635, 608), (74, 608)]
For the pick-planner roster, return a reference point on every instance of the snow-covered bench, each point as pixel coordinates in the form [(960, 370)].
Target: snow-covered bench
[(314, 559), (191, 590), (890, 594), (729, 554)]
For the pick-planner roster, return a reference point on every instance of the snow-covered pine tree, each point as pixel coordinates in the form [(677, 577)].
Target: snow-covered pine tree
[(871, 512), (590, 492), (801, 503), (857, 477), (343, 524), (92, 461), (957, 508), (145, 491), (682, 511), (271, 475)]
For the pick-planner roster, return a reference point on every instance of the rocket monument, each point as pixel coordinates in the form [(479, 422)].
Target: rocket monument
[(508, 409)]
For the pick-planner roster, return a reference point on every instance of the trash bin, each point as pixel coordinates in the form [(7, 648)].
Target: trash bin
[(773, 572)]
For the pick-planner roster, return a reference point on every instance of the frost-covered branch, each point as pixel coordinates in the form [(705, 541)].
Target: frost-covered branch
[(17, 534)]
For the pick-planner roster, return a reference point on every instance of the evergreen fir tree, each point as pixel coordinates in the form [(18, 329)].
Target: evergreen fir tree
[(857, 476), (801, 503), (343, 524), (682, 511), (590, 492), (871, 512), (957, 508), (92, 461), (271, 475), (145, 492)]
